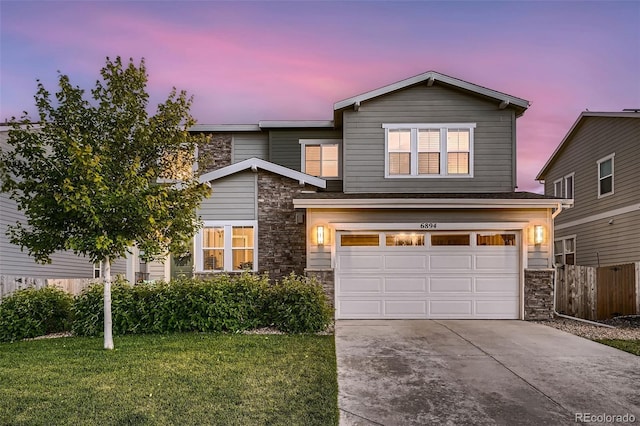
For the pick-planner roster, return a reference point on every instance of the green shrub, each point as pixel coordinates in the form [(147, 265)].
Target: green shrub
[(222, 303), (298, 305), (31, 313)]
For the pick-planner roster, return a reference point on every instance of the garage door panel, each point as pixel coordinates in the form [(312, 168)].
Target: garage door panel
[(405, 308), (450, 308), (406, 262), (451, 262), (360, 285), (360, 308), (406, 284), (450, 285), (493, 308), (496, 262), (363, 262), (497, 284)]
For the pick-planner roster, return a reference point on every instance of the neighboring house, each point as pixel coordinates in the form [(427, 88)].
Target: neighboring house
[(596, 164), (18, 269), (403, 205)]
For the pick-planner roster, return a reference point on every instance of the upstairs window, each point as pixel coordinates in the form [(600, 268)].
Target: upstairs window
[(557, 188), (605, 176), (563, 187), (568, 185), (429, 150), (321, 157)]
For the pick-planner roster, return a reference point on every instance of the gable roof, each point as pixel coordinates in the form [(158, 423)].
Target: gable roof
[(255, 164), (583, 116), (429, 77)]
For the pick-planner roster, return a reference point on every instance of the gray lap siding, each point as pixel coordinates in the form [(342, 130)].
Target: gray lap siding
[(364, 147)]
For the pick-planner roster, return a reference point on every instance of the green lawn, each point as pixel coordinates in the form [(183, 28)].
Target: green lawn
[(177, 379), (632, 346)]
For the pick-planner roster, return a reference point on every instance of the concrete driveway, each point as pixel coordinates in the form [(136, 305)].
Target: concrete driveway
[(416, 372)]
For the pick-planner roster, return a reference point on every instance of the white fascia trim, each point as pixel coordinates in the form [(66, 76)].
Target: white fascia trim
[(552, 158), (275, 124), (473, 226), (432, 76), (420, 203), (605, 215), (423, 125), (258, 163), (225, 128)]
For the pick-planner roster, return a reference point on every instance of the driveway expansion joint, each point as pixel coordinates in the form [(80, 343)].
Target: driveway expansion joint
[(372, 422)]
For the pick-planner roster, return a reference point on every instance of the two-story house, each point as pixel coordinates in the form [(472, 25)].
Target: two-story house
[(596, 164), (403, 205)]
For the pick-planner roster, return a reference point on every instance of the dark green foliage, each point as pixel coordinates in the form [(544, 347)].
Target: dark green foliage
[(30, 313), (220, 304), (296, 305)]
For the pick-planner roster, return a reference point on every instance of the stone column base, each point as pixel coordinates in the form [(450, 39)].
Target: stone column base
[(538, 294)]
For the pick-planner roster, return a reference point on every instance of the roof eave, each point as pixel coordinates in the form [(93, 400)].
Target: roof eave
[(541, 175), (429, 77), (256, 163), (394, 203)]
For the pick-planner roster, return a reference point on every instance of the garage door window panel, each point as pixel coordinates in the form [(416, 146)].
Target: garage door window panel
[(450, 239), (404, 239), (360, 240), (496, 239)]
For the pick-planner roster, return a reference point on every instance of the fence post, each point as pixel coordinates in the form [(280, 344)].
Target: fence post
[(637, 288)]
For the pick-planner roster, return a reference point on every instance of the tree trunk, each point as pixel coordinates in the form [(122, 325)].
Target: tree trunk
[(108, 327)]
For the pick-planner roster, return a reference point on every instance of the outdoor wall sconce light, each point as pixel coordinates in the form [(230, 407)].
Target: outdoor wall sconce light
[(320, 235), (538, 234)]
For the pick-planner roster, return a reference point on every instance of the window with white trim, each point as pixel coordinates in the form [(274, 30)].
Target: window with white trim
[(227, 246), (568, 185), (429, 150), (557, 188), (321, 157), (564, 187), (605, 176), (564, 251), (97, 269)]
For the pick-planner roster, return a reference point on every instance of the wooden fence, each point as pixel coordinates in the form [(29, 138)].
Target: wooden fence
[(617, 291), (598, 293), (9, 284)]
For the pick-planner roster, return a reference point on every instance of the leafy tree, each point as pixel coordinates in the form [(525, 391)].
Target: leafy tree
[(99, 176)]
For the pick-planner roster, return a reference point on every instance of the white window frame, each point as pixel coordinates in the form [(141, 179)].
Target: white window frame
[(565, 180), (415, 127), (600, 161), (97, 270), (228, 246), (558, 188), (564, 249), (320, 142)]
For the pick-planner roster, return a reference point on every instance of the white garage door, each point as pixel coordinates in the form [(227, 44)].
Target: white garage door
[(427, 275)]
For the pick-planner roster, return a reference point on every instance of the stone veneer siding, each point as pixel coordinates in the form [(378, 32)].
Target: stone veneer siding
[(538, 294), (282, 245), (215, 153), (326, 278)]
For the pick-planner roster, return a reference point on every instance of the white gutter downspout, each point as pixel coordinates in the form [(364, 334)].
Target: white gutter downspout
[(555, 284)]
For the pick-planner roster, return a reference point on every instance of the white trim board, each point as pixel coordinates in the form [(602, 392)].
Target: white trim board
[(441, 226), (605, 215), (257, 163), (432, 203)]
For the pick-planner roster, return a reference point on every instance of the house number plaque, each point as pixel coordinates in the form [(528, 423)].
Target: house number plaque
[(428, 225)]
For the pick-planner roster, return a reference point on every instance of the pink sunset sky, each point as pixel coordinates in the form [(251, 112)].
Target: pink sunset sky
[(250, 61)]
